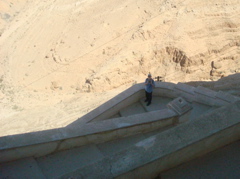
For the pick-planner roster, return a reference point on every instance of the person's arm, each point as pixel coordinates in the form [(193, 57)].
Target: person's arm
[(146, 82), (153, 83)]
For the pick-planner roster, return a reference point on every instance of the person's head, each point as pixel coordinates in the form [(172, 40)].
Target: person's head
[(149, 76)]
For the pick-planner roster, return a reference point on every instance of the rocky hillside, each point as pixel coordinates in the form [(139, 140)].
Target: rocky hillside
[(86, 51), (97, 46)]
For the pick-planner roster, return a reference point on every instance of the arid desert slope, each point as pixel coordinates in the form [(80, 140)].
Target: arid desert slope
[(61, 59)]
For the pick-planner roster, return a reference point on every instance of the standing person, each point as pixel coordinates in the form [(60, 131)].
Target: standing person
[(149, 84)]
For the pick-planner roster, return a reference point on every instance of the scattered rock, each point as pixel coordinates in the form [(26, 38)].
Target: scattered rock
[(216, 65), (88, 81), (5, 16), (54, 85), (15, 107), (78, 88), (216, 73), (188, 71)]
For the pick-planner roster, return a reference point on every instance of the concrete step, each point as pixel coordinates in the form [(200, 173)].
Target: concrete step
[(115, 146), (114, 116), (109, 148), (117, 115), (63, 163), (158, 131), (158, 103), (199, 109), (135, 108)]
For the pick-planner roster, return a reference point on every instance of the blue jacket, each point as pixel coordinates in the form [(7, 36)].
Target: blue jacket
[(149, 87)]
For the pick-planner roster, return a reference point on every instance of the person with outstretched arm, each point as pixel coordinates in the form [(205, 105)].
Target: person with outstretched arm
[(149, 84)]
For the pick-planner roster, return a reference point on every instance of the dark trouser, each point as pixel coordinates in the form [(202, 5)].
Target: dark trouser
[(148, 97)]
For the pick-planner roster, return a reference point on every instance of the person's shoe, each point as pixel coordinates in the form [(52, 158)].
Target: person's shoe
[(146, 100), (148, 104)]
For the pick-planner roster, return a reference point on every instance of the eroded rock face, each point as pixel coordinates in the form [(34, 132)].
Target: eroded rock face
[(178, 56), (170, 58)]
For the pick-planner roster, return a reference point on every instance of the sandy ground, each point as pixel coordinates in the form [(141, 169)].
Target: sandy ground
[(61, 59)]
